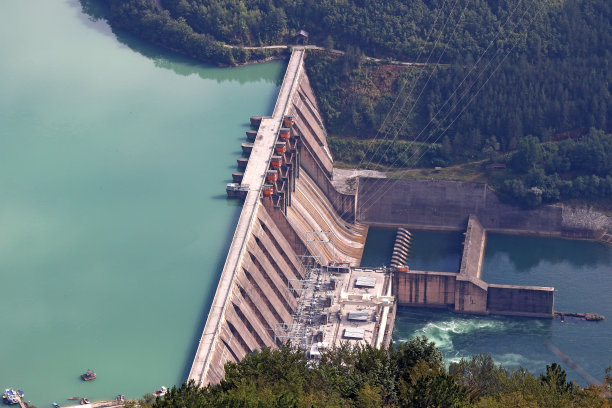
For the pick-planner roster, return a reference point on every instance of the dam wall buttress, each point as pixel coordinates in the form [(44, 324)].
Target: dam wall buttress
[(260, 297), (315, 156)]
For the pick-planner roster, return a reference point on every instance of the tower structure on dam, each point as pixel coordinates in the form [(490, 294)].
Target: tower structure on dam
[(289, 273)]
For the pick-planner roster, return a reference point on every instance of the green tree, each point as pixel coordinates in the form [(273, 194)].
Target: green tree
[(479, 376), (556, 379), (328, 43), (529, 154)]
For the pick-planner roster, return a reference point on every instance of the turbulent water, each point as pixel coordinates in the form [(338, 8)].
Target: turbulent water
[(114, 224), (580, 272)]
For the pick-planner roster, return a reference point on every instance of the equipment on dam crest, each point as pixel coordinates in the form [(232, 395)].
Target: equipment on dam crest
[(285, 134), (236, 190), (288, 121), (280, 147)]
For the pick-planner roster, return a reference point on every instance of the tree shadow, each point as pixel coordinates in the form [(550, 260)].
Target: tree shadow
[(95, 14)]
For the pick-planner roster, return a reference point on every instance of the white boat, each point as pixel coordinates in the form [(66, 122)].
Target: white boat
[(161, 392)]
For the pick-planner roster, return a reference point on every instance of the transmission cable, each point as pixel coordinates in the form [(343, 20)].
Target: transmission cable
[(460, 113)]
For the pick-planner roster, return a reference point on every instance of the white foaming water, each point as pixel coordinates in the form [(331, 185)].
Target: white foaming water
[(447, 333), (512, 360), (507, 360), (441, 333)]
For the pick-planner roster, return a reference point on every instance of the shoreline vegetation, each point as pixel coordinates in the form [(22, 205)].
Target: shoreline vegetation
[(523, 75), (441, 112)]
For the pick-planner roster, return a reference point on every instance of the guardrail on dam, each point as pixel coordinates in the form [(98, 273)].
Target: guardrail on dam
[(288, 201)]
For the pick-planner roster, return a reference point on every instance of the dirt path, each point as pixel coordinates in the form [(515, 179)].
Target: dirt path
[(339, 52)]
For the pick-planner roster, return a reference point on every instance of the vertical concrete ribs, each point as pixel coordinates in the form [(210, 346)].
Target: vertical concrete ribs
[(287, 194)]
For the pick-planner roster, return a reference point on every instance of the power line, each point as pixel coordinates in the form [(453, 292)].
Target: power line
[(378, 191), (458, 86)]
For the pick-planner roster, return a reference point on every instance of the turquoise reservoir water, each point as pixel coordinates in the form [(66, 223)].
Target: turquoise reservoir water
[(580, 271), (113, 219)]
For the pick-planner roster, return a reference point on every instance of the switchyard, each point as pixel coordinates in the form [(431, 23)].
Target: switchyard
[(339, 304)]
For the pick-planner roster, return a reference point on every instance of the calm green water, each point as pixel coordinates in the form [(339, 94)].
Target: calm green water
[(113, 219), (581, 273)]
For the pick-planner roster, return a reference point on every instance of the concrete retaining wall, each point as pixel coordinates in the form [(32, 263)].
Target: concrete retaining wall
[(465, 292), (447, 290), (447, 204), (423, 288), (521, 300)]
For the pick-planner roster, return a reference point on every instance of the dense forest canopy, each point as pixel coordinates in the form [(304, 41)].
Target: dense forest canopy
[(401, 29), (413, 375)]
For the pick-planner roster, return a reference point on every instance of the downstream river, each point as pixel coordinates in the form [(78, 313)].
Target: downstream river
[(580, 272), (114, 224)]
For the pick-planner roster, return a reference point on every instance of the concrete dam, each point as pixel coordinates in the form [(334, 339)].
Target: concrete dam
[(291, 272), (288, 274)]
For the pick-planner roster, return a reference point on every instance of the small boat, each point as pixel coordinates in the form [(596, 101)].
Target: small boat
[(120, 397), (84, 401), (11, 396), (73, 398), (161, 392), (89, 375), (56, 405)]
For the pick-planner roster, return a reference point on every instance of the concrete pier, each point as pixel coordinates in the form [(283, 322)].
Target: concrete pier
[(470, 290), (466, 292)]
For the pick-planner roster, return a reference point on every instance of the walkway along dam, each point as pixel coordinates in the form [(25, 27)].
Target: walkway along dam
[(292, 273)]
